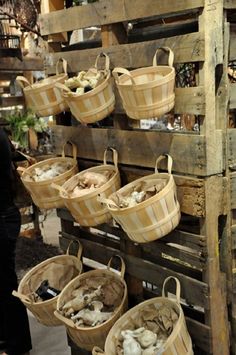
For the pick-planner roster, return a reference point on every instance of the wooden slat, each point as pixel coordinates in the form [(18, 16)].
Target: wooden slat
[(200, 334), (195, 292), (229, 4), (140, 148), (11, 101), (233, 190), (111, 11), (232, 96), (14, 64), (187, 48), (233, 237), (231, 141), (232, 46)]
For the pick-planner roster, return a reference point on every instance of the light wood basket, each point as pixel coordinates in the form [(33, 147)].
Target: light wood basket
[(179, 341), (147, 92), (44, 311), (94, 105), (153, 218), (42, 193), (88, 337), (86, 209), (43, 97)]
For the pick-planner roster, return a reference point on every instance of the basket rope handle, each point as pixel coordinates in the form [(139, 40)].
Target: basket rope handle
[(115, 157), (21, 80), (122, 269), (80, 249), (58, 187), (74, 150), (170, 58), (97, 351), (62, 87), (64, 65), (178, 287), (169, 162), (107, 61), (58, 315), (107, 201), (119, 70), (21, 296)]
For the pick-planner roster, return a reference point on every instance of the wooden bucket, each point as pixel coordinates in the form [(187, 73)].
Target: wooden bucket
[(147, 92), (153, 218), (88, 337), (44, 311), (179, 341), (86, 209), (44, 98), (94, 105), (42, 193)]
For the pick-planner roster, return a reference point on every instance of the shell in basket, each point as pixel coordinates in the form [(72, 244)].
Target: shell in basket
[(147, 208), (147, 92), (153, 327), (91, 303), (44, 98), (39, 177), (58, 271), (80, 192), (96, 104)]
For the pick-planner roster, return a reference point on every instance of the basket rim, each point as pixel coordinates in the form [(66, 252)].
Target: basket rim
[(141, 306), (98, 190), (138, 72), (45, 182), (41, 85), (88, 274), (92, 92), (38, 266), (146, 202)]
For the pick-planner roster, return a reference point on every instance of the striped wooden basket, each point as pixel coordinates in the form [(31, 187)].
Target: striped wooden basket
[(42, 193), (44, 311), (179, 341), (88, 337), (44, 98), (86, 210), (153, 218), (147, 92), (94, 105)]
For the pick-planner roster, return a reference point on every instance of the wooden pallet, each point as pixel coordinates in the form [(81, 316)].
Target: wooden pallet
[(192, 252)]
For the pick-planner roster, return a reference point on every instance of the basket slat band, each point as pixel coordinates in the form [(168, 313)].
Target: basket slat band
[(107, 60), (156, 225), (74, 150), (122, 270), (64, 65), (169, 162), (115, 157), (119, 70), (94, 214), (178, 287), (47, 106), (169, 100), (21, 80), (170, 58), (97, 110), (80, 249)]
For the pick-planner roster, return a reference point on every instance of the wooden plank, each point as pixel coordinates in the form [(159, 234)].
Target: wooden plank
[(195, 292), (229, 4), (200, 334), (14, 64), (232, 96), (233, 231), (11, 101), (111, 11), (233, 190), (231, 142), (187, 48), (140, 148), (232, 46)]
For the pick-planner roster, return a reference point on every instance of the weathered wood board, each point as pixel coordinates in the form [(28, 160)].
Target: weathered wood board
[(14, 64)]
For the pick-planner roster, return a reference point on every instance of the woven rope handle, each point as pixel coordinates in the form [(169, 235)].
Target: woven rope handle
[(118, 70), (64, 65), (107, 61), (122, 269), (21, 80), (80, 249), (170, 58), (74, 150), (169, 162), (97, 351), (178, 287), (115, 157)]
